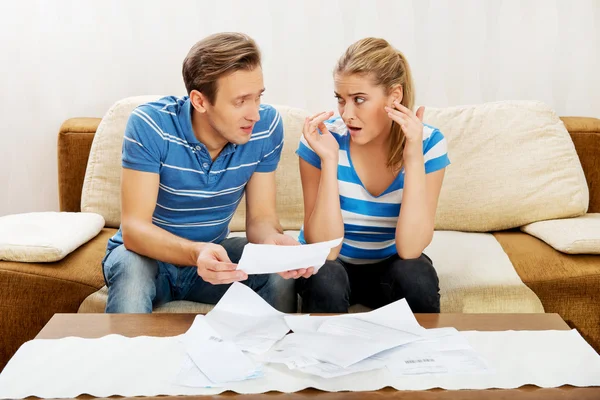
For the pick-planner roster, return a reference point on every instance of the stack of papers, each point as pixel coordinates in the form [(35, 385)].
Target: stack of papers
[(243, 332), (341, 345), (440, 351), (215, 358), (216, 343)]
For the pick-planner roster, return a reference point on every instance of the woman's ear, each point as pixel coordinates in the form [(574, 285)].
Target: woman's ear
[(396, 94)]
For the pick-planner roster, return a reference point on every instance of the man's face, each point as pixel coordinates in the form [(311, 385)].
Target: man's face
[(235, 108)]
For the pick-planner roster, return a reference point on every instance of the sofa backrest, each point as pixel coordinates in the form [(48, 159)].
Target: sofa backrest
[(512, 163)]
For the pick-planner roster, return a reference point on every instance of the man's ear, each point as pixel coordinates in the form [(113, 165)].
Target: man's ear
[(396, 93), (199, 101)]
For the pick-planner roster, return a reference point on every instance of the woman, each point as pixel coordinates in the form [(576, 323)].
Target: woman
[(373, 176)]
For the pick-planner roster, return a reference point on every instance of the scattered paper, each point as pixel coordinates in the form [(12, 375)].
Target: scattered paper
[(219, 359), (339, 350), (441, 351), (396, 315), (245, 318), (190, 375), (148, 366), (268, 259), (327, 370)]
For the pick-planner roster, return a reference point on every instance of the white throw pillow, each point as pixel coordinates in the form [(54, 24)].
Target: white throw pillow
[(45, 236), (579, 235), (513, 163)]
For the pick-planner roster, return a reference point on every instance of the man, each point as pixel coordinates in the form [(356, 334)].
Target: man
[(186, 164)]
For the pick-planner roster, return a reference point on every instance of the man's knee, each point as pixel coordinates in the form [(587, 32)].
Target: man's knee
[(128, 266), (131, 280)]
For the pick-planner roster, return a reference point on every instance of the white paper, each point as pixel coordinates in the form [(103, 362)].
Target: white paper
[(217, 358), (339, 350), (367, 331), (267, 259), (148, 366), (396, 315), (292, 358), (245, 318), (190, 375), (328, 371), (441, 351)]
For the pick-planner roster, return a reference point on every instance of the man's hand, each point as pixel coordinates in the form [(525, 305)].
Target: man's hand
[(214, 266), (284, 240)]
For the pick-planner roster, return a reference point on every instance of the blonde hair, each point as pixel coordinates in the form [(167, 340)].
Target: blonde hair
[(216, 56), (388, 68)]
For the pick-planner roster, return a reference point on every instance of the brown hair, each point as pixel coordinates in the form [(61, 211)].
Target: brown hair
[(216, 56), (388, 67)]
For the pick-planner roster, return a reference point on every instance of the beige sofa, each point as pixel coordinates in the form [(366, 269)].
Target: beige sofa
[(485, 263)]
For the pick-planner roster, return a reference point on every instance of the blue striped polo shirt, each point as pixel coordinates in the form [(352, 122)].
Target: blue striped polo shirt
[(197, 197), (370, 221)]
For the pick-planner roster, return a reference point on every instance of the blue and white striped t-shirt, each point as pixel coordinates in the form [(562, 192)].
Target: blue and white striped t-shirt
[(197, 197), (370, 221)]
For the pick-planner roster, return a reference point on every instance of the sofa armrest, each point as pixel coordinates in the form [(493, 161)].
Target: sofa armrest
[(74, 143), (585, 133)]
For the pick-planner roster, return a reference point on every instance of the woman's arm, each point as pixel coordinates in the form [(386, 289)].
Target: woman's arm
[(416, 222), (414, 229), (322, 213)]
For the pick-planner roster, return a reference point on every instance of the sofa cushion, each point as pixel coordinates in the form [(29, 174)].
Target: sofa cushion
[(579, 235), (45, 237), (513, 163), (82, 266), (101, 187), (475, 276), (566, 284)]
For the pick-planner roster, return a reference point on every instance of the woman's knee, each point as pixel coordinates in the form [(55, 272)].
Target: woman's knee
[(418, 282), (326, 291), (332, 277)]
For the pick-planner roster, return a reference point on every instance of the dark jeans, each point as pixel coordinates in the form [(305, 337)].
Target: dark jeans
[(338, 285)]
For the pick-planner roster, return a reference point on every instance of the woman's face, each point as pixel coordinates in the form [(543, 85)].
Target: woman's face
[(361, 105)]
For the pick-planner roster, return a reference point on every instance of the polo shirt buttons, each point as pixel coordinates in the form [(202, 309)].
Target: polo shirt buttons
[(205, 165), (198, 147)]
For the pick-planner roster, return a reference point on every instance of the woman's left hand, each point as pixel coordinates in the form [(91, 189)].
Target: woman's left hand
[(411, 123)]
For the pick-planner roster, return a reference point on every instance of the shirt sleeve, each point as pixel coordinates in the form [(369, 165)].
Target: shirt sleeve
[(142, 143), (274, 145), (435, 150)]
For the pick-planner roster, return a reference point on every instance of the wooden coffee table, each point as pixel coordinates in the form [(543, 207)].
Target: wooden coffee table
[(98, 325)]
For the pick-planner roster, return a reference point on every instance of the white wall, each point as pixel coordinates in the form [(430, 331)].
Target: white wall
[(63, 59)]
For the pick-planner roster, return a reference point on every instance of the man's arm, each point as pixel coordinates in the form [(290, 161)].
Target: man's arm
[(261, 217), (139, 193)]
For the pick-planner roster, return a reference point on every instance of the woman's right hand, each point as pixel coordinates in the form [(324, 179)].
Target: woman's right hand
[(324, 144)]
